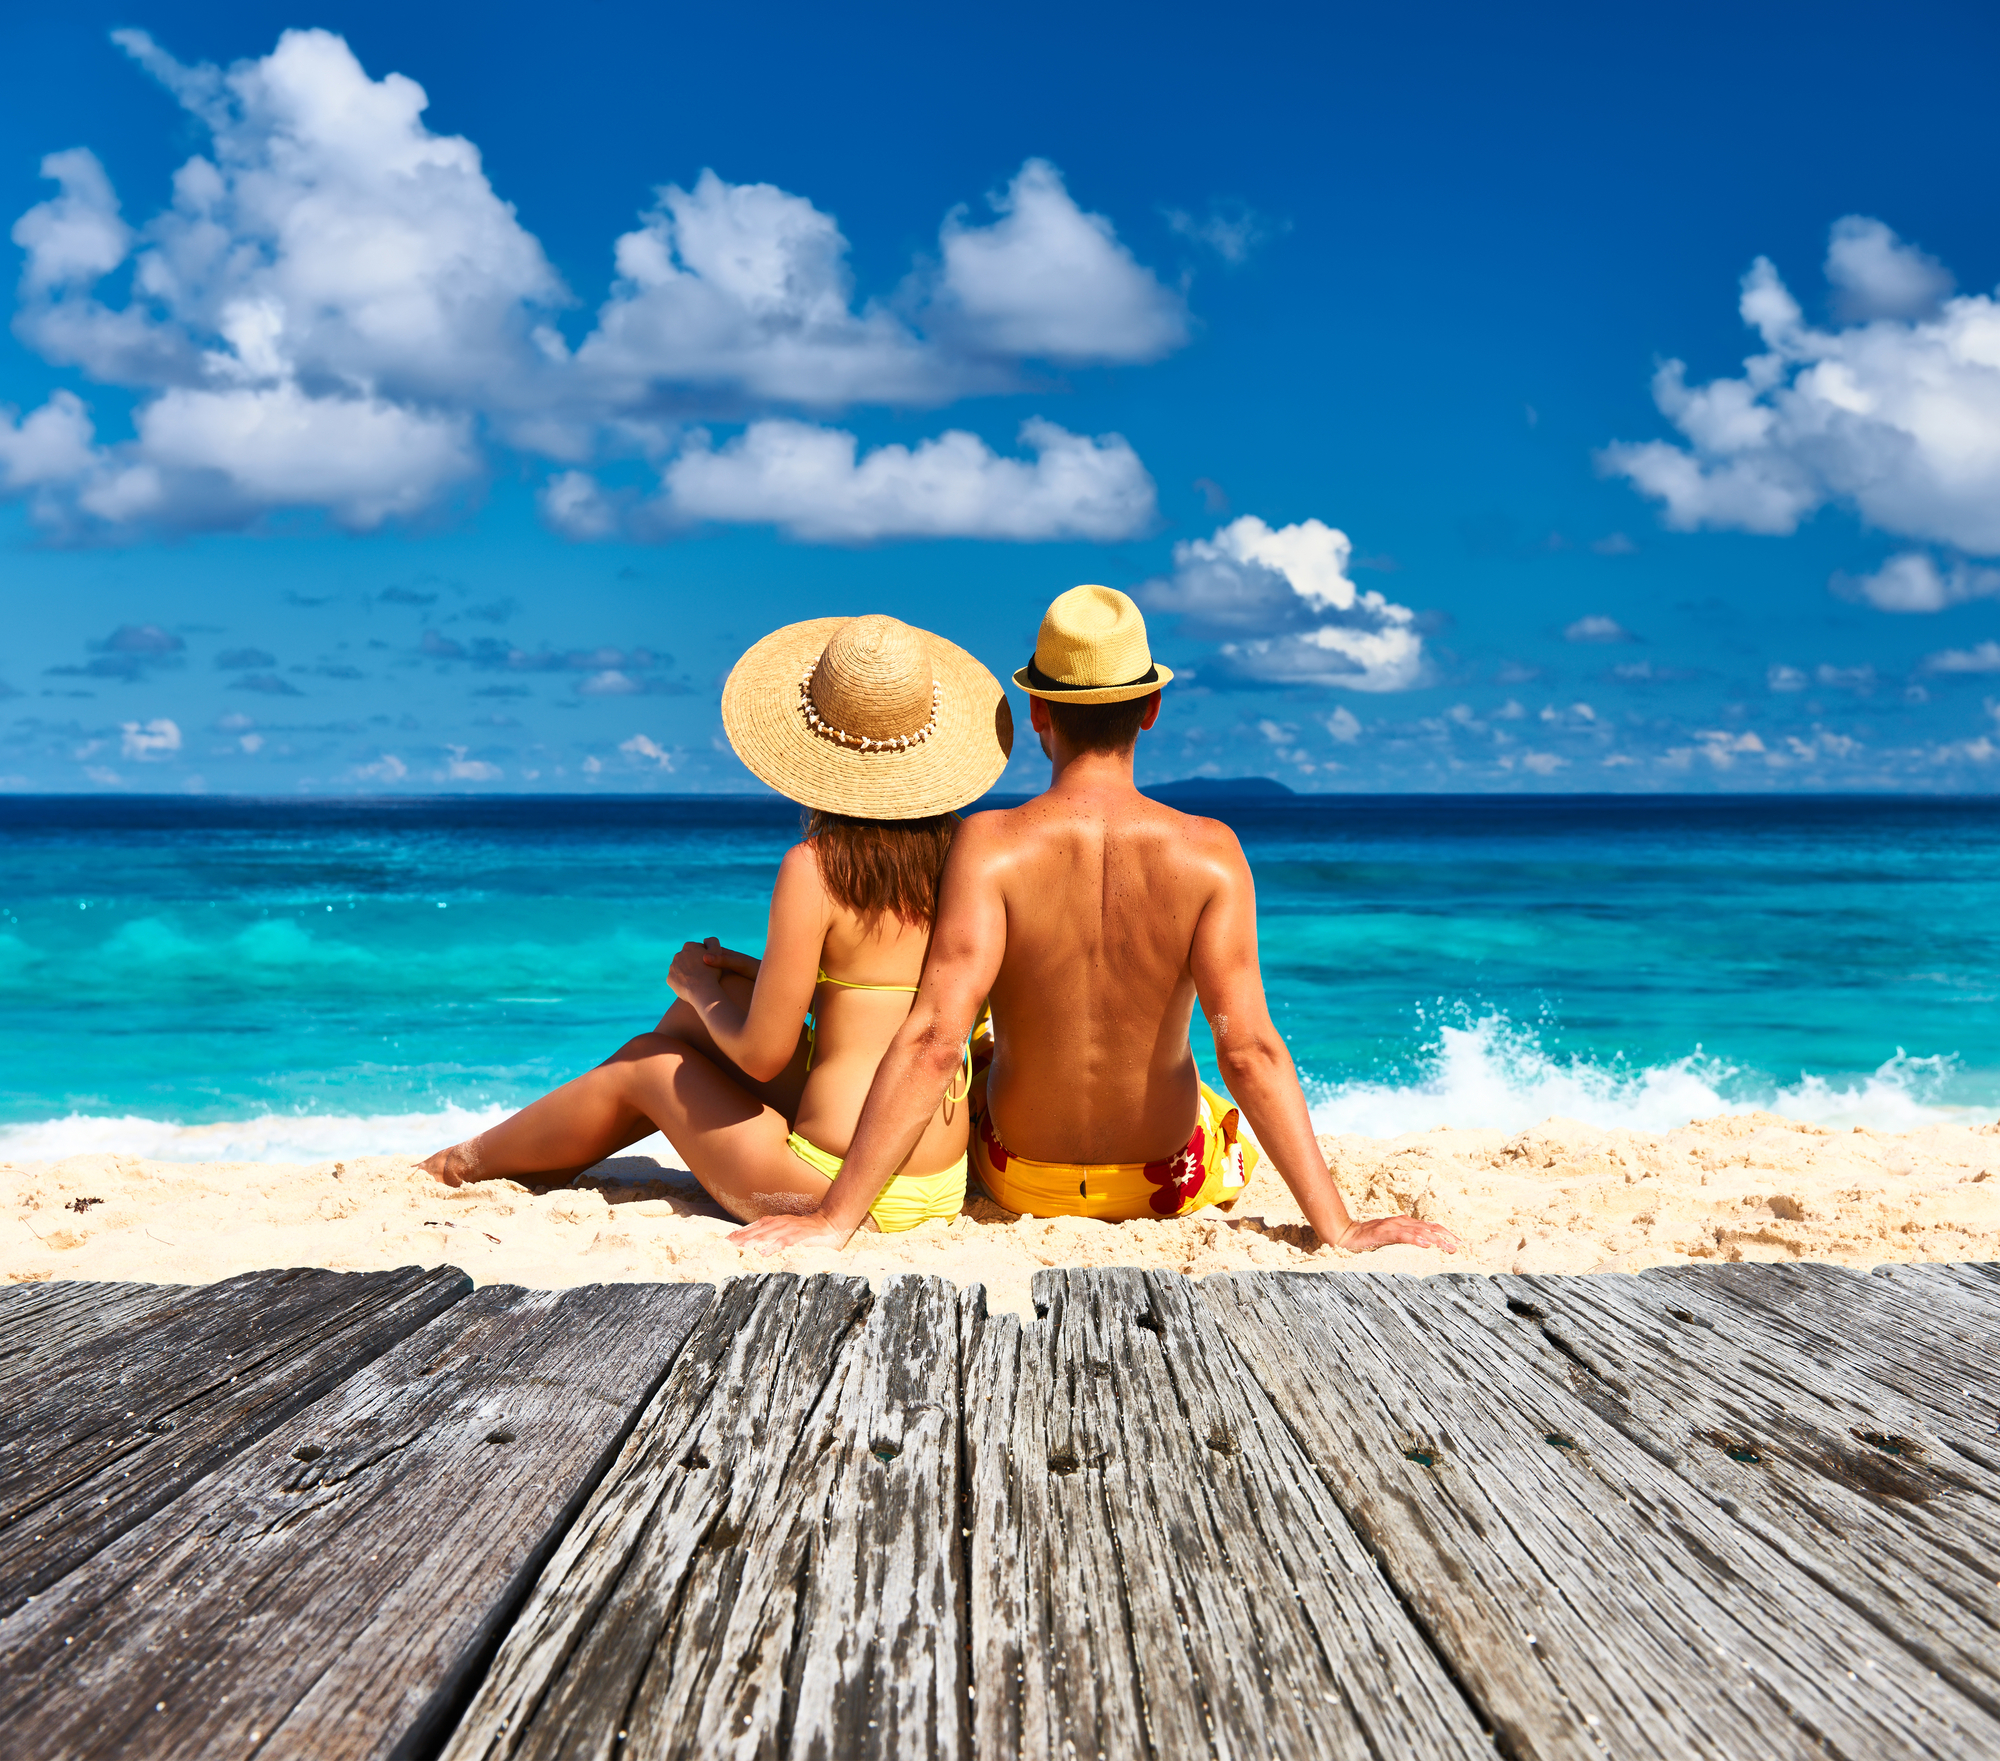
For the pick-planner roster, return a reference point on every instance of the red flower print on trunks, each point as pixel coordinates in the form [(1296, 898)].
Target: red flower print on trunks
[(1180, 1178)]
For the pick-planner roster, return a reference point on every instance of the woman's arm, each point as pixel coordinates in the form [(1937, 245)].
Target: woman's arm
[(760, 1041)]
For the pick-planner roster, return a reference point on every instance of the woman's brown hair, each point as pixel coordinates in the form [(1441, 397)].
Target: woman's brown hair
[(877, 866)]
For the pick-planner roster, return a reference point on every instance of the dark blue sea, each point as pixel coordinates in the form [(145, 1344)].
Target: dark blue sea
[(199, 978)]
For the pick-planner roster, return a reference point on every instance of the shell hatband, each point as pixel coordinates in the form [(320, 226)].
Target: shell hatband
[(861, 742)]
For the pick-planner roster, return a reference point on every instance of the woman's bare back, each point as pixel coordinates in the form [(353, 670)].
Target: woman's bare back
[(854, 1023)]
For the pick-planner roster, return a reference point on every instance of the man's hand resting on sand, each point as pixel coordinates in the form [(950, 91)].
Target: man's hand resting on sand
[(775, 1234), (1396, 1232)]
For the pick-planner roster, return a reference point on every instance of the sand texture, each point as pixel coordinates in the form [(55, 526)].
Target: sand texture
[(1560, 1197)]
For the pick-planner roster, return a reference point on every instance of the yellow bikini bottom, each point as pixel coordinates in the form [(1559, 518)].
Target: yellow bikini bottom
[(908, 1199)]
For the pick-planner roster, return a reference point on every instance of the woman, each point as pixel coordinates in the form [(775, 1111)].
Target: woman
[(882, 732)]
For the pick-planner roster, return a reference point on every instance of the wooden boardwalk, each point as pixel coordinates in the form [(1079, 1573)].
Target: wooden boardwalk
[(1734, 1511)]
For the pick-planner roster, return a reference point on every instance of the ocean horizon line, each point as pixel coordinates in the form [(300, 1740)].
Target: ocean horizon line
[(1211, 786)]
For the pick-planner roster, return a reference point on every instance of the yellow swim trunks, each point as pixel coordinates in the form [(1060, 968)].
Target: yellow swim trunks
[(908, 1199), (1214, 1168)]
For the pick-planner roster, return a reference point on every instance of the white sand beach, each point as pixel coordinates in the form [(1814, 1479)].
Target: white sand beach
[(1561, 1197)]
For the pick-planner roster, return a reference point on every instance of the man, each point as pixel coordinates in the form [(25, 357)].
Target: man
[(1092, 919)]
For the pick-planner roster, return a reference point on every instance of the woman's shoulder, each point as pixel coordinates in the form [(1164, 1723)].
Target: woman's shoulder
[(799, 897), (800, 866)]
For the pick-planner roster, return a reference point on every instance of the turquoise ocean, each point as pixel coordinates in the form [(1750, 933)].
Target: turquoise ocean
[(201, 979)]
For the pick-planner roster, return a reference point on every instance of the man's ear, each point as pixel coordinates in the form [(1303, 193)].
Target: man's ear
[(1152, 711), (1038, 714)]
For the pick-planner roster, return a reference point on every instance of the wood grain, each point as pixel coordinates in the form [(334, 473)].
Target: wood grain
[(39, 1322), (1976, 1281), (773, 1567), (1842, 1477), (98, 1437), (1934, 1345), (1156, 1567), (1587, 1597), (333, 1591)]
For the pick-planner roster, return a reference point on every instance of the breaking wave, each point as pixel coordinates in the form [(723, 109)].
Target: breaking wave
[(1482, 1072), (1490, 1073)]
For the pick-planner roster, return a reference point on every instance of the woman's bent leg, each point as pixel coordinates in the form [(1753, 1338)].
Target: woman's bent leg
[(578, 1125), (569, 1129), (732, 1142)]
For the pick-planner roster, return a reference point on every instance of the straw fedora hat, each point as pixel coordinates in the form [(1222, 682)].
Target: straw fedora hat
[(868, 717), (1092, 649)]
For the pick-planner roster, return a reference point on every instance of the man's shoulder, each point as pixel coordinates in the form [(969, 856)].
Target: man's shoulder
[(1055, 820), (984, 838), (1198, 837), (1194, 825)]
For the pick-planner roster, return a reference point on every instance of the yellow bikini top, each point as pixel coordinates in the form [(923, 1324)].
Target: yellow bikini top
[(848, 984)]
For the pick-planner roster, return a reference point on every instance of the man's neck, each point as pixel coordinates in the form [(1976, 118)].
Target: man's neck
[(1093, 773)]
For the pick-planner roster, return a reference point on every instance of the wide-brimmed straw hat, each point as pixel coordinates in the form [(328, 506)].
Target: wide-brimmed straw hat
[(1092, 649), (868, 717)]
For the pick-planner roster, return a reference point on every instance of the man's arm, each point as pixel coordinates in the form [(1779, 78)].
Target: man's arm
[(1258, 1071), (928, 1051)]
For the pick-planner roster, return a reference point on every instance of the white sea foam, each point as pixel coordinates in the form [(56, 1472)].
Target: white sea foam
[(1483, 1072), (1489, 1073), (272, 1137)]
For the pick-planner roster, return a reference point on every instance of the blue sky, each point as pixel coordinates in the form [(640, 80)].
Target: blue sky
[(440, 398)]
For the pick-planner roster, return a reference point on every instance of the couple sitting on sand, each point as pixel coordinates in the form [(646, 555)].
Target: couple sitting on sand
[(843, 1081)]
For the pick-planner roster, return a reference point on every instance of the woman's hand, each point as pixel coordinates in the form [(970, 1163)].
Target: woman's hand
[(1396, 1232), (728, 960), (691, 975), (774, 1234), (696, 973)]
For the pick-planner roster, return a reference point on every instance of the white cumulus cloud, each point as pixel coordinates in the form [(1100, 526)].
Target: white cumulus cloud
[(1912, 582), (460, 769), (337, 311), (1048, 281), (1983, 657), (815, 483), (643, 750), (1282, 605), (1894, 411), (1876, 275), (150, 741), (744, 287)]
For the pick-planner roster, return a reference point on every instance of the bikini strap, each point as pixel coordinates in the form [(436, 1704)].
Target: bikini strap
[(849, 985)]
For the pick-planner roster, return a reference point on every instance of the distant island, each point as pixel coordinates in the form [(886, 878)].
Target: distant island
[(1219, 789)]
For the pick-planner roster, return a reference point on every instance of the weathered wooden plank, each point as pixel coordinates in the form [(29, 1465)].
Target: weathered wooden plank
[(39, 1322), (1587, 1598), (1841, 1476), (1970, 1280), (773, 1566), (880, 1662), (1937, 1348), (1157, 1569), (101, 1436), (1052, 1667), (334, 1588)]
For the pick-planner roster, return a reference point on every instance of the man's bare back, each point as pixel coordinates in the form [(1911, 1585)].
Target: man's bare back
[(1103, 891), (1094, 920)]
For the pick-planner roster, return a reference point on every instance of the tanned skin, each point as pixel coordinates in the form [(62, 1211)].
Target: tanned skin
[(1094, 919)]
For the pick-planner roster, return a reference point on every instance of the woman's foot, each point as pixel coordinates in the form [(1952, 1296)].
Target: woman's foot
[(455, 1166)]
